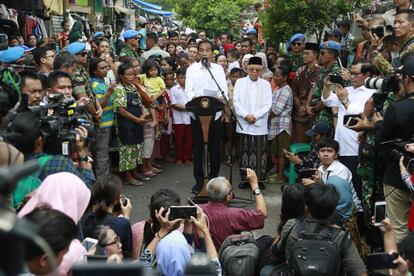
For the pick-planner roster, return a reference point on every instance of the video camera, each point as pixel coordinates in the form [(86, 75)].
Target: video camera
[(59, 120), (398, 151)]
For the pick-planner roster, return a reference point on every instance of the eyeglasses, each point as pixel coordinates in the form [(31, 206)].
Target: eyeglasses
[(116, 241), (254, 69), (353, 74), (297, 44)]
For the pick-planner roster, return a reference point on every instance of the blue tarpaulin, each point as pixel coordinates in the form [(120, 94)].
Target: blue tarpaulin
[(147, 5), (164, 13)]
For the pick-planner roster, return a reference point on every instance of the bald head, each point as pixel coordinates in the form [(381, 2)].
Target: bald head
[(218, 188)]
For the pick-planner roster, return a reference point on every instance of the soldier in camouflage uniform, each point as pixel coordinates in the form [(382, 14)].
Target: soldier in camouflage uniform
[(131, 45), (297, 45), (327, 58), (403, 34), (81, 82)]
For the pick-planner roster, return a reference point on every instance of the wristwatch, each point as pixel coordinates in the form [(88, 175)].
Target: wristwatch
[(345, 102), (257, 191)]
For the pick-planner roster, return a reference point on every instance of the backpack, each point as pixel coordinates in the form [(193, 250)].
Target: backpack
[(239, 255), (315, 253)]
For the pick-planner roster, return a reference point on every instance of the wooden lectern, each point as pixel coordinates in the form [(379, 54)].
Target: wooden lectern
[(204, 109)]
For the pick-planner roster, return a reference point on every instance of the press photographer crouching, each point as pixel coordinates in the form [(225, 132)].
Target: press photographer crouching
[(398, 124), (31, 137)]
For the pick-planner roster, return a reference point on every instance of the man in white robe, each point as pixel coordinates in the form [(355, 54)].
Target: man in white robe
[(252, 101)]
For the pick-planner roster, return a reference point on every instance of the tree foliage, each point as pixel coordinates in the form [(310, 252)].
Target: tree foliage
[(213, 16), (283, 18)]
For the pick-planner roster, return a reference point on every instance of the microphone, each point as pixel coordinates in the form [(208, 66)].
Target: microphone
[(204, 61)]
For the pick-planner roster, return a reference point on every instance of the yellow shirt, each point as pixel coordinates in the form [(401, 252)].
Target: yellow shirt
[(153, 85)]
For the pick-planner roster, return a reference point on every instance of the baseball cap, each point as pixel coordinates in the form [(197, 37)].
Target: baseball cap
[(407, 68), (319, 128)]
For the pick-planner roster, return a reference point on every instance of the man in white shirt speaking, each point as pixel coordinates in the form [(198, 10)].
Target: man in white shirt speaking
[(350, 101), (199, 82), (252, 100)]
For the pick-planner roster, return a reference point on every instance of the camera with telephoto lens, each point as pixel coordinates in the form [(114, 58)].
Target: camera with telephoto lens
[(398, 151), (389, 83), (59, 120)]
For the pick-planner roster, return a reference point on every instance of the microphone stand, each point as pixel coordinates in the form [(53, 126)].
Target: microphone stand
[(230, 157)]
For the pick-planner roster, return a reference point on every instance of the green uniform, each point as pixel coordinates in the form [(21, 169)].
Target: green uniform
[(82, 84), (366, 169), (297, 61), (128, 52), (325, 114)]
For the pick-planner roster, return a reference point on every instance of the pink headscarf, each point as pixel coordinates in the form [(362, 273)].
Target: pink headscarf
[(67, 193)]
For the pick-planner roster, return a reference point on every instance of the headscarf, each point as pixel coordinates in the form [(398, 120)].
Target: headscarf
[(245, 59), (266, 71), (173, 254), (67, 193), (76, 32)]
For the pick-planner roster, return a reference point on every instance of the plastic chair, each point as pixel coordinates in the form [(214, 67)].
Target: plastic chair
[(295, 149)]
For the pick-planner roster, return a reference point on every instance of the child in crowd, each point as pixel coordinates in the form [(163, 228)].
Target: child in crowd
[(166, 126), (181, 120), (233, 56), (155, 87), (227, 119), (281, 120)]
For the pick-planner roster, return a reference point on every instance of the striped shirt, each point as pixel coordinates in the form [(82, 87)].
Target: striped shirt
[(99, 88), (282, 104)]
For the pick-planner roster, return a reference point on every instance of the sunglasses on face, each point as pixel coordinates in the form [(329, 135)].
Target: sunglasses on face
[(82, 54), (297, 44)]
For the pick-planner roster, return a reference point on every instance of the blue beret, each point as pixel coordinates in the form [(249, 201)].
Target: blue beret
[(331, 45), (98, 34), (130, 34), (335, 32), (76, 47), (26, 48), (297, 36), (252, 31), (11, 54)]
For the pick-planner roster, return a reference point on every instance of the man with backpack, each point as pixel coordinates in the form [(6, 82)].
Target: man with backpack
[(314, 247), (224, 220)]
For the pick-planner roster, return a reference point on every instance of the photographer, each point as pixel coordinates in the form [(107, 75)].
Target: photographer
[(25, 134), (349, 101), (398, 123)]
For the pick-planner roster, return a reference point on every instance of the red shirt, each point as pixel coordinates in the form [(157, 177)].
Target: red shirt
[(225, 221)]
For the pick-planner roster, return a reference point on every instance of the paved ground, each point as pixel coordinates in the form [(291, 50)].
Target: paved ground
[(180, 179)]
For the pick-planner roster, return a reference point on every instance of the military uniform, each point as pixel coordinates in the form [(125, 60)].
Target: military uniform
[(325, 114), (301, 87), (82, 83), (297, 60), (128, 52)]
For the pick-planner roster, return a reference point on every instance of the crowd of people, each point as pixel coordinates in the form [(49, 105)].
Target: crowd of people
[(86, 100)]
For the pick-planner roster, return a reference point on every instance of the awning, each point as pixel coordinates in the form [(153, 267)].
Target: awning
[(163, 13), (120, 9), (147, 5)]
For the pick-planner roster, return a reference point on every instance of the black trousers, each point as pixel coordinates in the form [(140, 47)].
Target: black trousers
[(214, 138), (351, 162)]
